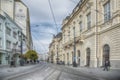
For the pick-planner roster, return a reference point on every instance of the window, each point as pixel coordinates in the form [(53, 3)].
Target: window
[(19, 38), (89, 21), (0, 26), (14, 45), (8, 31), (15, 35), (80, 26), (0, 42), (20, 10), (107, 11), (8, 44)]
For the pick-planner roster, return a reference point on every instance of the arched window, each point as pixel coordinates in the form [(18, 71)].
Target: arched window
[(88, 57), (106, 53)]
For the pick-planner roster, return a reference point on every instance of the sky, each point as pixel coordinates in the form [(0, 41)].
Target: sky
[(42, 23)]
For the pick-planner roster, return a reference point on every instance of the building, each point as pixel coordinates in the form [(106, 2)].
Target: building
[(14, 16), (10, 7), (55, 48), (19, 12), (90, 34), (22, 19), (9, 40)]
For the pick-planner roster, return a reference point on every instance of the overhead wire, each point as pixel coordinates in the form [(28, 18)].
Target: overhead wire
[(40, 42), (53, 15)]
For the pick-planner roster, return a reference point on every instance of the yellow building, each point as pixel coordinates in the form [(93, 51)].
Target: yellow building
[(91, 34), (55, 49)]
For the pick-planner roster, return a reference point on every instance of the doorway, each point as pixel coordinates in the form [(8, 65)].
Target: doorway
[(88, 57)]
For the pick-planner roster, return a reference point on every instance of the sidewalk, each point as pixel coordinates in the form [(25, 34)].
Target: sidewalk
[(112, 74)]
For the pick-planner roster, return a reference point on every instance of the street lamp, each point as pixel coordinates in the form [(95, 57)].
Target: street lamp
[(21, 47)]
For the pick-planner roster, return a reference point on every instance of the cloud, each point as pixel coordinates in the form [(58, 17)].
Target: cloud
[(42, 20)]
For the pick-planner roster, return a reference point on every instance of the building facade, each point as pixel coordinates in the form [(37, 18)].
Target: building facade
[(90, 34), (9, 40), (55, 49), (23, 20), (15, 35), (19, 12)]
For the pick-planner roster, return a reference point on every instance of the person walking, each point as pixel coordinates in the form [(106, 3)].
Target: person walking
[(106, 65), (11, 63)]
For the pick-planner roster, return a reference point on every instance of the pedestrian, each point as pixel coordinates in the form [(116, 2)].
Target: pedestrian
[(11, 62), (106, 65)]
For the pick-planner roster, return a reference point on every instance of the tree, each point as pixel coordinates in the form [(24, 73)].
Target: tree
[(31, 54)]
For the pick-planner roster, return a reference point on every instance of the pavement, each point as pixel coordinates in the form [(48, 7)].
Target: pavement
[(44, 71), (6, 71), (53, 72), (112, 74)]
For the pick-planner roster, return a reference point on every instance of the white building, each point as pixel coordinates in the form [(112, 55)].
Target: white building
[(9, 39)]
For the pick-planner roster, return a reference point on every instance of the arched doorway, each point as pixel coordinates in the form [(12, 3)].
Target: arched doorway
[(78, 57), (88, 57), (106, 53), (72, 57), (67, 58), (63, 58)]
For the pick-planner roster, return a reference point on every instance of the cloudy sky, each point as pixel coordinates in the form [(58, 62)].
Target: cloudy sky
[(42, 22)]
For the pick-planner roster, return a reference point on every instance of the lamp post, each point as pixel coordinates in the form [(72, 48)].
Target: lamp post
[(21, 44), (74, 46), (21, 48)]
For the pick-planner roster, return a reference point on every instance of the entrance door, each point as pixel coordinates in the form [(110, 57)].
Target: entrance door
[(78, 57), (72, 57), (68, 58), (88, 57), (106, 53)]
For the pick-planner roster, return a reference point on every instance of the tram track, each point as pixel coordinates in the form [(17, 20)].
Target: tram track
[(55, 72)]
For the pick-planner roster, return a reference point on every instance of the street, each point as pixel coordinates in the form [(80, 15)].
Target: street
[(47, 71)]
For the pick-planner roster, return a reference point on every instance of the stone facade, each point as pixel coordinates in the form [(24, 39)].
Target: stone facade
[(55, 49), (90, 35)]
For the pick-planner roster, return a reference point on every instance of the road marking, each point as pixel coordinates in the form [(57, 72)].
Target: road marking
[(29, 79), (47, 69)]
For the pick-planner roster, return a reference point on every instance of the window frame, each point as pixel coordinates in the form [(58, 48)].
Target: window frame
[(8, 44), (107, 11), (81, 26), (8, 31), (14, 34), (89, 20)]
